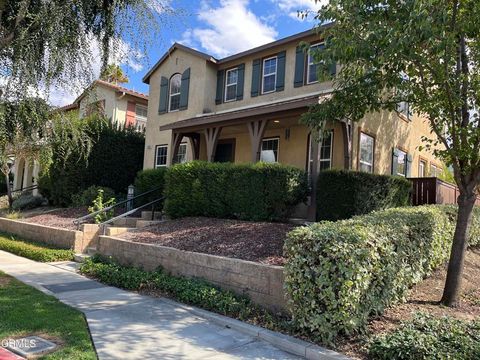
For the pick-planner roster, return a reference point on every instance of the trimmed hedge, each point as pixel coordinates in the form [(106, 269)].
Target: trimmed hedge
[(429, 338), (339, 273), (258, 192), (34, 250), (147, 180), (342, 194)]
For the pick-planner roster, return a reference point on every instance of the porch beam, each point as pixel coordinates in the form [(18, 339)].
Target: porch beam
[(211, 137), (256, 129), (176, 140)]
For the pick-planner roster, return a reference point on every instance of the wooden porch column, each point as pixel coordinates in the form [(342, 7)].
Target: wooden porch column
[(176, 140), (313, 178), (211, 136), (194, 139), (256, 130)]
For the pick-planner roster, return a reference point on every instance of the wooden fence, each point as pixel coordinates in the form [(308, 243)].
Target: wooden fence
[(431, 190)]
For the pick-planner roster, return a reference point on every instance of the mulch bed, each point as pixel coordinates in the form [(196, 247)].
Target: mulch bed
[(60, 218), (425, 297), (254, 241)]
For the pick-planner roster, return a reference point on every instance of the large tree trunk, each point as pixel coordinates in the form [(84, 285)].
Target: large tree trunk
[(453, 282)]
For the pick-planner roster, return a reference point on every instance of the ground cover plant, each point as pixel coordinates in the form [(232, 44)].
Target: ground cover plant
[(27, 311), (33, 250)]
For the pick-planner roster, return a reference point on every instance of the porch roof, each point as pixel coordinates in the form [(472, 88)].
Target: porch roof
[(232, 116)]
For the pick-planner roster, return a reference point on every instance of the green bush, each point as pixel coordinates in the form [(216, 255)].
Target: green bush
[(339, 273), (34, 250), (247, 191), (147, 180), (191, 291), (87, 196), (342, 194), (27, 201), (429, 338)]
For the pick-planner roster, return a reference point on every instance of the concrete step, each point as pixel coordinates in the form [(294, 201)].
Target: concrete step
[(117, 230), (80, 258), (147, 215), (126, 222), (144, 223)]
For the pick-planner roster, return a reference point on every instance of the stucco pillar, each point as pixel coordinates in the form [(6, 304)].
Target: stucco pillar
[(211, 137), (176, 140), (256, 129), (194, 139), (36, 172), (18, 174), (313, 178), (28, 175), (347, 132)]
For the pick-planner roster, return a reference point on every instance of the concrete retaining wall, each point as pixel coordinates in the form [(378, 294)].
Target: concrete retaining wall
[(262, 283), (63, 238)]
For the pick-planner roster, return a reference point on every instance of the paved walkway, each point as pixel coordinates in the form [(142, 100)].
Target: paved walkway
[(126, 325)]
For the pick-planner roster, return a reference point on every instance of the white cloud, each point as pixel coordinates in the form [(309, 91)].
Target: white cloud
[(293, 7), (230, 28)]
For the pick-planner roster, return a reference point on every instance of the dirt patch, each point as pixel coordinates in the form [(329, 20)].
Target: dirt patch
[(425, 297), (60, 218), (5, 280), (254, 241)]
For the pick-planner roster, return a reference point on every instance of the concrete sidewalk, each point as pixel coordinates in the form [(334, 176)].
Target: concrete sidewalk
[(126, 325)]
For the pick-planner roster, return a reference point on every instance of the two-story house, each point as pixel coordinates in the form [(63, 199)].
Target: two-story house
[(123, 106), (246, 108)]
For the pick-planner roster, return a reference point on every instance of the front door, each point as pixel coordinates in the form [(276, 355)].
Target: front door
[(225, 151)]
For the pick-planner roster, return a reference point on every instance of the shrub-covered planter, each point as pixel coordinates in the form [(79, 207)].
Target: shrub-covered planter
[(147, 180), (342, 194), (243, 191), (339, 273)]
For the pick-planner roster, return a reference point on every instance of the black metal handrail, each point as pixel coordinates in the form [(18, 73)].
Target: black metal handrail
[(125, 214), (28, 188), (83, 219)]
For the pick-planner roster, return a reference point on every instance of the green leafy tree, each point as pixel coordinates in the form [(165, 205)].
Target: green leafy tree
[(49, 42), (425, 53), (114, 74)]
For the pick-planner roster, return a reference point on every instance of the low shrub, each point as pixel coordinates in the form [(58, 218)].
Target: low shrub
[(147, 180), (86, 197), (191, 291), (342, 194), (337, 274), (33, 250), (429, 338), (99, 203), (27, 201), (257, 192)]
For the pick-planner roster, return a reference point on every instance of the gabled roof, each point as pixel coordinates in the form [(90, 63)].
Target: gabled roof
[(206, 57)]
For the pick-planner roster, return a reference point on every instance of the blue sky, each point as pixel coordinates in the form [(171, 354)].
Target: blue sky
[(217, 27)]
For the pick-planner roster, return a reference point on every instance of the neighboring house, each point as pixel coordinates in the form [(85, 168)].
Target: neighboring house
[(246, 107), (123, 106)]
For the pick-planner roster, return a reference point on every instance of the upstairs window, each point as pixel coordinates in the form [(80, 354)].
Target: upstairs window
[(174, 91), (367, 148), (231, 81), (269, 150), (269, 77), (140, 117), (312, 66)]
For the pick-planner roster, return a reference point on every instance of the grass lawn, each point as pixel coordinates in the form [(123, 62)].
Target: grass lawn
[(27, 311), (33, 250)]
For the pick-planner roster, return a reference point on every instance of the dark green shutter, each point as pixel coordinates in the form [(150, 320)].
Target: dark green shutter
[(162, 106), (220, 83), (240, 81), (332, 68), (256, 77), (299, 67), (408, 164), (281, 71), (394, 161), (184, 89)]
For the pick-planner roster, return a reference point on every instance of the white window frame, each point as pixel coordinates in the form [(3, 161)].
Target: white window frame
[(157, 148), (364, 162), (233, 84), (170, 95), (404, 162), (140, 120), (422, 163), (330, 158), (183, 146), (274, 74), (277, 139), (310, 61)]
